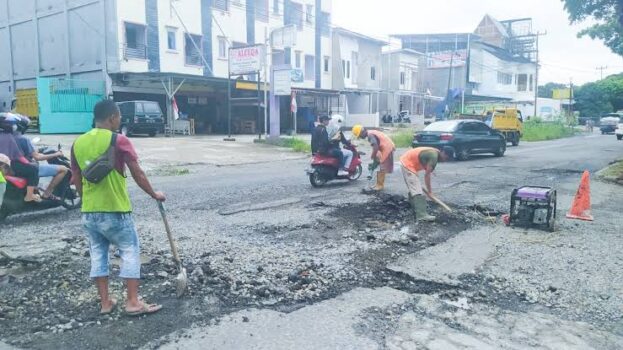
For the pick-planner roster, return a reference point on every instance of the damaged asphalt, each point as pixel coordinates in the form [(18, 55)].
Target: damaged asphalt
[(276, 264)]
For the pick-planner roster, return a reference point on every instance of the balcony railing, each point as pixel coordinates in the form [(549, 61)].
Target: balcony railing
[(135, 52)]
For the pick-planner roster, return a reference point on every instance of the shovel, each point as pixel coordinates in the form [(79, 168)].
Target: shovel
[(438, 201), (182, 278)]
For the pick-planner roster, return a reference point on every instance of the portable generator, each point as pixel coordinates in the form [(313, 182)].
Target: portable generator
[(533, 206)]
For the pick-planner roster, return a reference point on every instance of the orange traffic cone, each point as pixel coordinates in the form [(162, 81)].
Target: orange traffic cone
[(581, 208)]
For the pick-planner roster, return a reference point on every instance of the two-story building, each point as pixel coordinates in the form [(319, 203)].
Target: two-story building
[(138, 49), (493, 65), (357, 74)]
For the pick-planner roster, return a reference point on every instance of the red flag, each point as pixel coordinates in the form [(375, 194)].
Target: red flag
[(293, 105)]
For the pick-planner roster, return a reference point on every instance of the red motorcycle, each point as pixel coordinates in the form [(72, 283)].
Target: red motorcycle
[(324, 168)]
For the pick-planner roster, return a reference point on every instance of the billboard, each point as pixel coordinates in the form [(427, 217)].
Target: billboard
[(443, 59), (246, 60), (561, 94)]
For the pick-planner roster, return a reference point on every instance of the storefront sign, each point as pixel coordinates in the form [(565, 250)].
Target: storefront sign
[(246, 60), (282, 82), (297, 75)]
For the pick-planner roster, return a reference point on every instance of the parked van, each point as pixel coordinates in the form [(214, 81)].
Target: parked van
[(141, 117)]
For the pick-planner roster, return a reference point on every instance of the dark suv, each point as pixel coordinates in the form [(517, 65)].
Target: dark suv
[(141, 117)]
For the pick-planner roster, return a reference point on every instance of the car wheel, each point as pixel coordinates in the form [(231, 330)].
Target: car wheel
[(501, 150), (619, 137), (125, 131), (462, 153), (515, 140), (152, 133)]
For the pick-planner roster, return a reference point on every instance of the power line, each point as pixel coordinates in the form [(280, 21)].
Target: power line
[(601, 71)]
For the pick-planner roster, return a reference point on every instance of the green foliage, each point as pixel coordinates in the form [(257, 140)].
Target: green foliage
[(592, 101), (536, 130), (402, 138), (296, 144), (607, 16), (547, 90)]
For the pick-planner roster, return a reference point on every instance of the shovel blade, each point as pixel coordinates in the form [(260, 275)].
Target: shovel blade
[(181, 282)]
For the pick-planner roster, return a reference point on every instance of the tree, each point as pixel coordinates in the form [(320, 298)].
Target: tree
[(547, 90), (608, 15), (592, 100)]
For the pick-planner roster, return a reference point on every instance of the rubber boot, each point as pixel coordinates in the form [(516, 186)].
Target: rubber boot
[(418, 203), (380, 181)]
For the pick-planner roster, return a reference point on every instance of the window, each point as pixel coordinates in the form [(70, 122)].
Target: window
[(344, 68), (373, 73), (297, 59), (261, 10), (222, 47), (403, 78), (139, 108), (325, 24), (193, 56), (326, 64), (348, 69), (278, 57), (295, 15), (309, 15), (135, 41), (522, 82), (222, 5), (531, 82), (355, 59), (505, 78), (276, 6), (475, 128), (310, 69), (171, 39)]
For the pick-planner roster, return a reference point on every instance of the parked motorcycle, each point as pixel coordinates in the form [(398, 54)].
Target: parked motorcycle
[(324, 168), (403, 117), (13, 202)]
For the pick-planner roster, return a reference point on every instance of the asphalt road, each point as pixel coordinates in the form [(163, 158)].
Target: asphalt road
[(267, 244)]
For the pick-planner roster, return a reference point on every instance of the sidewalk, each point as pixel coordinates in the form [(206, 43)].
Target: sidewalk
[(193, 150)]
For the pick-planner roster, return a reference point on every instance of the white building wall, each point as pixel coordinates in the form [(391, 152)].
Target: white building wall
[(234, 27), (174, 61), (130, 12), (348, 45)]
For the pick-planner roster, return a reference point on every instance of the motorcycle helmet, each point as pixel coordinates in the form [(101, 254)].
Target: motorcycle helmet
[(8, 122), (22, 124)]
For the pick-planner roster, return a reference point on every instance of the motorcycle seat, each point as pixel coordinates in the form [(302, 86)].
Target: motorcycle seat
[(16, 181)]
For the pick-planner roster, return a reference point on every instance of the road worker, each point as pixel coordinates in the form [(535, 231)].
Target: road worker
[(383, 149), (414, 162)]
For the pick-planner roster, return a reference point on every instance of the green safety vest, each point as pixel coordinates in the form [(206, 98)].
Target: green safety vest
[(2, 180), (111, 194)]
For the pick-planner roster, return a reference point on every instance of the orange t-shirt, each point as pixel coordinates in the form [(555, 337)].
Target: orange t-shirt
[(411, 159)]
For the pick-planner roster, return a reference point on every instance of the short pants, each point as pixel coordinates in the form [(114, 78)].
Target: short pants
[(413, 182), (118, 229), (48, 170)]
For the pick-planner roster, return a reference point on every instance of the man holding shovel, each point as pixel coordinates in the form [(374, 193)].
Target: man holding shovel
[(106, 207), (415, 161)]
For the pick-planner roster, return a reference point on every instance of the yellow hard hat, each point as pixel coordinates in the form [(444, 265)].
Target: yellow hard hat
[(357, 130)]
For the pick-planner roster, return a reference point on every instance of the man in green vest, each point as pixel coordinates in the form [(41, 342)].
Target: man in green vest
[(5, 165), (106, 207)]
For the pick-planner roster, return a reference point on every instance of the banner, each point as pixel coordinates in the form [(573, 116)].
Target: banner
[(561, 94), (246, 60)]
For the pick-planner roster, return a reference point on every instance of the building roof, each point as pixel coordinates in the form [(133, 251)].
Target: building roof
[(503, 54), (407, 51), (445, 37), (344, 31), (497, 24)]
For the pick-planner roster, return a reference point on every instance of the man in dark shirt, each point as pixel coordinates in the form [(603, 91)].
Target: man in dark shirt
[(322, 145)]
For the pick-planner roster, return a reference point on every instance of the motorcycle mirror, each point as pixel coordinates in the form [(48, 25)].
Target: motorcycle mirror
[(36, 140)]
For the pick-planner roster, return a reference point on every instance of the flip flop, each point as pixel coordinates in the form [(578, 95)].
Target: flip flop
[(112, 308), (145, 310), (36, 199)]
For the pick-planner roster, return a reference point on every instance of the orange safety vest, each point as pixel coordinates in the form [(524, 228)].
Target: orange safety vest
[(386, 145), (411, 159)]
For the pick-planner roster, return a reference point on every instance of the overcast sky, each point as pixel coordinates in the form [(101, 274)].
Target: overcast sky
[(563, 55)]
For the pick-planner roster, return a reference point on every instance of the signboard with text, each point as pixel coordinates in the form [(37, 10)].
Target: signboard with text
[(246, 60), (282, 84)]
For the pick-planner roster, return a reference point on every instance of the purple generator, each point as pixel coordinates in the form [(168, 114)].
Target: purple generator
[(533, 206)]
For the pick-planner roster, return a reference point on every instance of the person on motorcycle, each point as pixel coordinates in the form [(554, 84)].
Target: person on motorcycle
[(383, 149), (415, 161), (5, 165), (20, 166), (57, 172), (337, 137), (321, 144)]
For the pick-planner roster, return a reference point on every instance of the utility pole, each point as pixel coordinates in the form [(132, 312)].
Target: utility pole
[(601, 71), (570, 100), (536, 76)]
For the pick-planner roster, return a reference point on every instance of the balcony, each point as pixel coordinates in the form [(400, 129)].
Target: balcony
[(138, 51)]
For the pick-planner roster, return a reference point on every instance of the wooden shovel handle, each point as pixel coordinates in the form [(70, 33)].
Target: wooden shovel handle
[(163, 213), (438, 201)]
